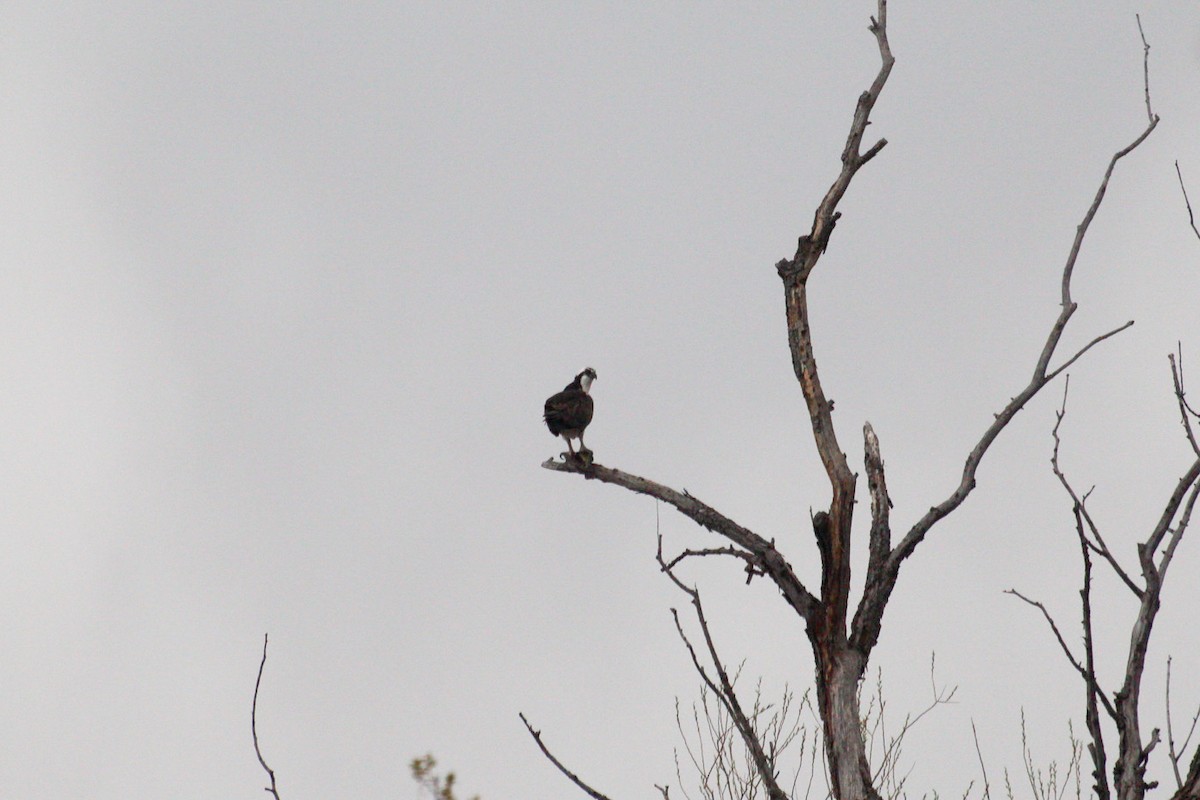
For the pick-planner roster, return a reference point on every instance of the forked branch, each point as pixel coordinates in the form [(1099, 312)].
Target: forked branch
[(1062, 643), (723, 687), (1096, 543), (1154, 555), (762, 555), (880, 584), (1175, 752)]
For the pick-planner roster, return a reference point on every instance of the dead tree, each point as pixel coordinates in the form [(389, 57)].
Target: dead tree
[(1154, 554), (842, 642)]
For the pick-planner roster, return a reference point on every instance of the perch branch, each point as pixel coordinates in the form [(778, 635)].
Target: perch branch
[(767, 559)]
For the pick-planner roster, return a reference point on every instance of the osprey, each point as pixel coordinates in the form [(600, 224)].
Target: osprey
[(570, 411)]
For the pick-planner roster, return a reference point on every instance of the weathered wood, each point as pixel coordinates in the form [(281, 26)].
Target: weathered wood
[(762, 553)]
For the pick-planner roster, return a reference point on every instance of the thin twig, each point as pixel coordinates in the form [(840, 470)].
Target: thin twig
[(987, 787), (725, 692), (1171, 752), (1181, 399), (1145, 67), (752, 569), (1190, 477), (1052, 375), (893, 745), (537, 737), (1065, 648), (1176, 535), (1080, 503), (1186, 202), (254, 723), (1176, 753)]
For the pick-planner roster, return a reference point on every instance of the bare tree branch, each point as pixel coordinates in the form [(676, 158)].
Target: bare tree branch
[(752, 570), (725, 691), (1062, 367), (841, 653), (1181, 399), (885, 774), (254, 723), (1186, 202), (1192, 787), (1080, 504), (1175, 753), (838, 670), (1184, 519), (795, 274), (1154, 555), (1163, 526), (767, 559), (728, 698), (1150, 116), (881, 504), (1191, 784), (987, 787), (537, 737), (1092, 686), (1040, 376), (1083, 673)]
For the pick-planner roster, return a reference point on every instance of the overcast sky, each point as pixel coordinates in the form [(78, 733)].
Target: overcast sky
[(285, 285)]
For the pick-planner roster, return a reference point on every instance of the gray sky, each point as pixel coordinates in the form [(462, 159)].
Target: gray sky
[(285, 286)]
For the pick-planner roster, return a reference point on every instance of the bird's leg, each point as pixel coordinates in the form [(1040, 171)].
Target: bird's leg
[(570, 455), (585, 454)]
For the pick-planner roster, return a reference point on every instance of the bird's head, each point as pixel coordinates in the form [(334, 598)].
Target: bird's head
[(585, 379)]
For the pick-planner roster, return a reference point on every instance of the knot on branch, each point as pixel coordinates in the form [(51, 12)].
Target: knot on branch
[(789, 271), (820, 523), (811, 245), (828, 231)]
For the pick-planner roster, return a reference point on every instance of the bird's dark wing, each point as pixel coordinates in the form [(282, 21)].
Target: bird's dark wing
[(569, 410)]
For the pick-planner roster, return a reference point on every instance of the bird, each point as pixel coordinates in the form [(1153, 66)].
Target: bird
[(568, 413)]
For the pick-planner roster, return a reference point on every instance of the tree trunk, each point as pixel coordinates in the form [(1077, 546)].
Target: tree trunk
[(839, 671)]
